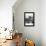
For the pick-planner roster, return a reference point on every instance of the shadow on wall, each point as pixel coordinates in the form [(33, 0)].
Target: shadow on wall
[(28, 6)]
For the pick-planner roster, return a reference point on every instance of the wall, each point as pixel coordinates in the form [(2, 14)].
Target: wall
[(43, 22), (32, 33), (6, 13)]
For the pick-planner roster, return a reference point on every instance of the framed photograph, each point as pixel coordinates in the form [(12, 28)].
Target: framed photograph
[(29, 18)]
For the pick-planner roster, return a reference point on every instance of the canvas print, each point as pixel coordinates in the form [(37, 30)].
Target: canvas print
[(28, 18)]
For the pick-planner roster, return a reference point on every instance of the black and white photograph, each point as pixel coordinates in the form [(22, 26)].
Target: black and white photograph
[(28, 18)]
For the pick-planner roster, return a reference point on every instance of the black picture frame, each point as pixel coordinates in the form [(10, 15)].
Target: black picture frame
[(29, 19)]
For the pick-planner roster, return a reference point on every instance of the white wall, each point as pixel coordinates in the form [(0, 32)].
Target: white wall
[(6, 13), (43, 22), (32, 33)]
